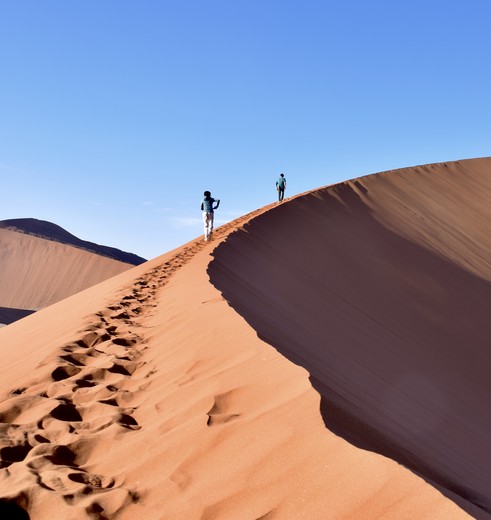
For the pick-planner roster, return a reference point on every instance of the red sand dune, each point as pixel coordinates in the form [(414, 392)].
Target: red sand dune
[(36, 272), (379, 287), (155, 394)]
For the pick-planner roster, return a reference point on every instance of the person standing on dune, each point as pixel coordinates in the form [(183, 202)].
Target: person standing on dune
[(208, 206), (281, 187)]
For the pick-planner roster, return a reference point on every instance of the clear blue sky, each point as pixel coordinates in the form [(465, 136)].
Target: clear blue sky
[(116, 115)]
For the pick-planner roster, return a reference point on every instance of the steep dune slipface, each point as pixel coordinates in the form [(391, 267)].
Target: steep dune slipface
[(36, 272), (380, 288)]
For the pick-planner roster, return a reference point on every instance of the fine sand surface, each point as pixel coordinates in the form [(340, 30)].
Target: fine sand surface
[(149, 396), (36, 272)]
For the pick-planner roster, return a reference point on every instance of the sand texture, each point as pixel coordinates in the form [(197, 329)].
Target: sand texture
[(199, 385), (36, 272)]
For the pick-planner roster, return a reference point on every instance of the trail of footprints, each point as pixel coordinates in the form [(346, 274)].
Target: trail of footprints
[(48, 430)]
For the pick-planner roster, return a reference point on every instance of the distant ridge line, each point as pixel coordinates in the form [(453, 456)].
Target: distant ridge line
[(55, 233)]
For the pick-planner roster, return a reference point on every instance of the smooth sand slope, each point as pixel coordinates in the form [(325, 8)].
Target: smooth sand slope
[(380, 288), (149, 396), (35, 272)]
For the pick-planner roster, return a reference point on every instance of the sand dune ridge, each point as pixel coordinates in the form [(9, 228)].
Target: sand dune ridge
[(379, 287), (148, 395)]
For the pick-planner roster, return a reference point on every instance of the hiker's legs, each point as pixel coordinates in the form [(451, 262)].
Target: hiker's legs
[(281, 193), (205, 224), (208, 224)]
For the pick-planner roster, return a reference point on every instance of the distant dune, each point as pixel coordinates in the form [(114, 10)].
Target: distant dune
[(169, 392), (50, 231), (40, 264)]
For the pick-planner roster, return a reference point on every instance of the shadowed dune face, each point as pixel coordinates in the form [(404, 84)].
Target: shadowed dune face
[(380, 288), (12, 511), (9, 315)]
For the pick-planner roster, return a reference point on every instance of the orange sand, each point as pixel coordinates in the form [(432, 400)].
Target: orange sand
[(149, 396), (37, 272)]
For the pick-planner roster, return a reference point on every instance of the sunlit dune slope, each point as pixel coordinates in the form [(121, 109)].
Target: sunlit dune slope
[(148, 396), (50, 231), (380, 288), (36, 272)]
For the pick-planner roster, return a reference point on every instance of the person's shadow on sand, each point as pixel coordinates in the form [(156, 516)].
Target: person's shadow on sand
[(12, 511)]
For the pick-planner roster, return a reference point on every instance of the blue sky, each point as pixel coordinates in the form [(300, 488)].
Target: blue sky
[(116, 115)]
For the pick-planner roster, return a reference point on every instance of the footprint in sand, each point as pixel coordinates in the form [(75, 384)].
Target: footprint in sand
[(11, 454), (25, 409), (219, 413)]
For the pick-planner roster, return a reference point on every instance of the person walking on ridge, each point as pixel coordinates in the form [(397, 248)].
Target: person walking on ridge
[(208, 205), (281, 187)]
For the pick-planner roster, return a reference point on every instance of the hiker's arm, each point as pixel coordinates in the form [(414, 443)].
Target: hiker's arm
[(217, 204), (201, 206)]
